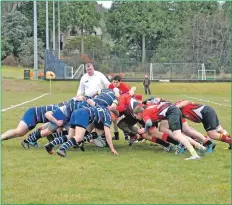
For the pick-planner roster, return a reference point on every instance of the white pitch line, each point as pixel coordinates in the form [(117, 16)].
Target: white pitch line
[(14, 106), (208, 101)]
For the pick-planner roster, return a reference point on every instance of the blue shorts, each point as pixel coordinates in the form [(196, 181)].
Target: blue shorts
[(29, 118), (80, 118)]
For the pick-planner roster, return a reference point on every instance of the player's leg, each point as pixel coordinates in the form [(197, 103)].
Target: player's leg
[(189, 131), (59, 140), (19, 131), (79, 120), (127, 126), (167, 137), (116, 133), (27, 123), (175, 125), (166, 146), (211, 124), (43, 131)]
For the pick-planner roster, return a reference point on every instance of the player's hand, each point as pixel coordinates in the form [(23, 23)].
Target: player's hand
[(114, 152), (141, 131), (59, 123), (110, 108)]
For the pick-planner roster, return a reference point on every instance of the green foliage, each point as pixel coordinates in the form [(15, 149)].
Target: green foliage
[(174, 31), (94, 47), (7, 48), (16, 29), (26, 52)]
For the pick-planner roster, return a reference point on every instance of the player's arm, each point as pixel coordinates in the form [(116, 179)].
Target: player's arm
[(109, 139), (113, 108), (81, 88), (91, 102), (49, 116), (183, 103), (80, 98), (148, 122)]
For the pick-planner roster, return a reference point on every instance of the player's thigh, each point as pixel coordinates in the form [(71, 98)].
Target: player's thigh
[(22, 128), (210, 120)]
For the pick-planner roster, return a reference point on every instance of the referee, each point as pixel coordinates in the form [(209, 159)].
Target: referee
[(92, 82)]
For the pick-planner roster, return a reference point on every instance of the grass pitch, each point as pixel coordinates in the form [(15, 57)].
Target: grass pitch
[(141, 174)]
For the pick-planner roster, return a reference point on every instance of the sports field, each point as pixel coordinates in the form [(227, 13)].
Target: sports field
[(141, 174)]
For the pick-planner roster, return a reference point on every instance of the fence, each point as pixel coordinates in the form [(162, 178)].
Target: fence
[(130, 66)]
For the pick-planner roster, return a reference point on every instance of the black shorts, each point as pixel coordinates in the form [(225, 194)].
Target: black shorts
[(174, 117), (141, 123), (99, 126), (130, 120), (209, 118)]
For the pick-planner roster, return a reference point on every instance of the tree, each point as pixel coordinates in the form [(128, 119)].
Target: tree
[(16, 28), (83, 17), (26, 52), (138, 23)]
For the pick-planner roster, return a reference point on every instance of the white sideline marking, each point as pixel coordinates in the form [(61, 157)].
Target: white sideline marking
[(208, 101), (14, 106), (164, 81)]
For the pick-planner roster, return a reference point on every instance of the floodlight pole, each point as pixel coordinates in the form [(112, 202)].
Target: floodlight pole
[(54, 28), (35, 42), (47, 28), (58, 29)]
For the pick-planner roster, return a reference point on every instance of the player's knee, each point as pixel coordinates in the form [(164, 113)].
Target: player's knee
[(19, 132)]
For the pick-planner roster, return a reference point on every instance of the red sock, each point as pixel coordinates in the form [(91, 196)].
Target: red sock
[(165, 137), (153, 139), (226, 139)]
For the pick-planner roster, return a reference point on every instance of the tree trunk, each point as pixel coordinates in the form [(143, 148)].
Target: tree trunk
[(82, 41), (143, 49)]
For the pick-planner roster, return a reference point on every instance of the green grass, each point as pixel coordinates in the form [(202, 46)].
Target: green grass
[(141, 174), (15, 72)]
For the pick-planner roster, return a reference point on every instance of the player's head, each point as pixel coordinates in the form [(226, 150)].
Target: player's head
[(145, 76), (116, 92), (138, 111), (116, 80), (132, 91), (89, 67)]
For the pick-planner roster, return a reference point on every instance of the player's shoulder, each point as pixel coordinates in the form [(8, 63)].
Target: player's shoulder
[(111, 86)]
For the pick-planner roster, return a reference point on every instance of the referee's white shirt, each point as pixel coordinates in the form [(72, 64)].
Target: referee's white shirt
[(90, 85)]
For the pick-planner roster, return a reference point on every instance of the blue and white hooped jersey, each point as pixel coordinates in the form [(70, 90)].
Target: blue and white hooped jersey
[(40, 112), (105, 98), (100, 115), (72, 105)]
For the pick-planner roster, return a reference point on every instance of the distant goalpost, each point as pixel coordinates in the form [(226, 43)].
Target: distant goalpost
[(180, 71)]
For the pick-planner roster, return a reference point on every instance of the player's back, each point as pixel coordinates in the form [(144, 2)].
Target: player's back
[(157, 112), (41, 110), (100, 115), (192, 111), (105, 98)]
